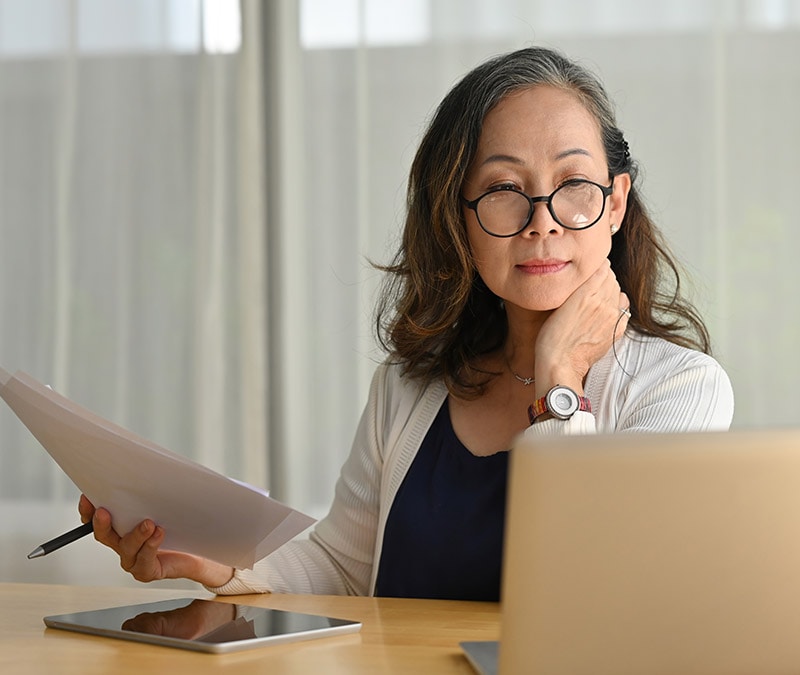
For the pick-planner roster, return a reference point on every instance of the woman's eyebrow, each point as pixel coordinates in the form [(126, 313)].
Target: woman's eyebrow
[(506, 159), (572, 151), (512, 159)]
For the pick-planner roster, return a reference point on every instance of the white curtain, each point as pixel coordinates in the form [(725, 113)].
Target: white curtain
[(708, 94), (132, 244), (136, 276)]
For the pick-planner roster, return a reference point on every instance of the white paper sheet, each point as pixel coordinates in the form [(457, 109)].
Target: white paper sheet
[(201, 511)]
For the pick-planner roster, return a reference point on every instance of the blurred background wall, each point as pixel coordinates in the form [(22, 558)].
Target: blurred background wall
[(191, 192)]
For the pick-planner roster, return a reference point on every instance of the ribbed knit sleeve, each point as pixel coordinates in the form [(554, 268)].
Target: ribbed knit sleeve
[(338, 556), (650, 385)]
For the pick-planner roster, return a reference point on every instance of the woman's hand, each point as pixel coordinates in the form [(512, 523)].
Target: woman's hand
[(198, 618), (139, 551), (577, 334)]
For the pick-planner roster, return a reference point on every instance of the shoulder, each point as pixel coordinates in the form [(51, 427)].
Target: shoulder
[(645, 353), (391, 384), (646, 373), (398, 399), (650, 362)]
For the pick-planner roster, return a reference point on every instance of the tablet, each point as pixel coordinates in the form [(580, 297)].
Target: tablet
[(202, 625)]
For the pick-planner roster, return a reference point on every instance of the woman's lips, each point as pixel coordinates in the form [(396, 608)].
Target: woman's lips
[(542, 266)]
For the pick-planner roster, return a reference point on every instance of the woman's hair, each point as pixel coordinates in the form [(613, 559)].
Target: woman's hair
[(435, 315)]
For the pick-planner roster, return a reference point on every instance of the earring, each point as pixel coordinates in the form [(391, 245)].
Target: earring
[(614, 229)]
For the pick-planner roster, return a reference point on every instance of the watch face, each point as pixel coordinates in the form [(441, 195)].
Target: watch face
[(562, 402)]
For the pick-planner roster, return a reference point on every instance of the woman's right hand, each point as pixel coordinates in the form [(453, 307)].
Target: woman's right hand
[(140, 554), (578, 333)]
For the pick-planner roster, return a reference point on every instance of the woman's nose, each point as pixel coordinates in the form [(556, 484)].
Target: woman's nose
[(542, 222)]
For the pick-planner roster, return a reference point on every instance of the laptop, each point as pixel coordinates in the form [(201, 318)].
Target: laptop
[(651, 554)]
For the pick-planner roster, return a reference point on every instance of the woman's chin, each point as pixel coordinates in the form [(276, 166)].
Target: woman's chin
[(534, 307)]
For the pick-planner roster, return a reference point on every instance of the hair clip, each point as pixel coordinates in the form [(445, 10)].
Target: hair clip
[(626, 149)]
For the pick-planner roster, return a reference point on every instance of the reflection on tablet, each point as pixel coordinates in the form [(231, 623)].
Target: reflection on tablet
[(202, 625), (199, 620)]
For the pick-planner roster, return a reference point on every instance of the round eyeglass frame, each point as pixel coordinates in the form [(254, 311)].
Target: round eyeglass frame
[(548, 200)]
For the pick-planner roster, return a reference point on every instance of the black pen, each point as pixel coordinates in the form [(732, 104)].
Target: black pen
[(62, 540)]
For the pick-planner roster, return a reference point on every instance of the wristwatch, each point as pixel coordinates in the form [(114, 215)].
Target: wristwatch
[(561, 402)]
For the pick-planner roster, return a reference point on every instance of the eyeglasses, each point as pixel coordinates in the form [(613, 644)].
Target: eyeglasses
[(575, 205)]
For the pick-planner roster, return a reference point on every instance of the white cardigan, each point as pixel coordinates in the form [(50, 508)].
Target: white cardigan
[(670, 388)]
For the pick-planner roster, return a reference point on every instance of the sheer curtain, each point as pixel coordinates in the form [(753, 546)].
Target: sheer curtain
[(136, 275), (132, 262), (708, 94)]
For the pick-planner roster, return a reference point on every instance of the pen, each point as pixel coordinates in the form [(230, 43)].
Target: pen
[(61, 540)]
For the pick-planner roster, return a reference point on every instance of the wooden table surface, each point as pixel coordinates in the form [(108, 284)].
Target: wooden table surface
[(397, 636)]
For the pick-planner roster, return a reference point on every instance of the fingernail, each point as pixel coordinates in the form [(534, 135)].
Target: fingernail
[(144, 527)]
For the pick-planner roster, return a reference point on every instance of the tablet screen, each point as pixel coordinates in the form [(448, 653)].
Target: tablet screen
[(202, 625)]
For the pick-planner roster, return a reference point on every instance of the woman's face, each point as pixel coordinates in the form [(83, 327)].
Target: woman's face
[(536, 139)]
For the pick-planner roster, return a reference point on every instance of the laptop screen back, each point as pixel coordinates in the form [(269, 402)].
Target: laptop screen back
[(653, 553)]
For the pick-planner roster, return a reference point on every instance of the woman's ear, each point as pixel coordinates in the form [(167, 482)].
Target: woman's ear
[(618, 200)]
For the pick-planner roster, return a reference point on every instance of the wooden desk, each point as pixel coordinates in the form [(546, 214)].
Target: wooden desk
[(398, 636)]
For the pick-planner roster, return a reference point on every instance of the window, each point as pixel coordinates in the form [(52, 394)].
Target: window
[(36, 28), (327, 24)]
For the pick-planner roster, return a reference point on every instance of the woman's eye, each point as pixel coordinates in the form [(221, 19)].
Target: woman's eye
[(572, 180), (503, 186)]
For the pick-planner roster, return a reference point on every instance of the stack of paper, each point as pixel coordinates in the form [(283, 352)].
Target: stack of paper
[(201, 511)]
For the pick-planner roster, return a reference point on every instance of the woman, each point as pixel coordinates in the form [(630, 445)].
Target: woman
[(531, 294)]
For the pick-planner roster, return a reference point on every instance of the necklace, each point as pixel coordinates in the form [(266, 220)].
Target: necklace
[(527, 381)]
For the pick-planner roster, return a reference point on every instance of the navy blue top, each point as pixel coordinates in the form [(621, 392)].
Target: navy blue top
[(444, 534)]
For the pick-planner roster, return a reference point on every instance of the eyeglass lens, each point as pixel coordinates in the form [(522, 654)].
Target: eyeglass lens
[(574, 205)]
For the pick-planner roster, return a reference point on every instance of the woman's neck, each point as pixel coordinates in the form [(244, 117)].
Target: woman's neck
[(519, 350)]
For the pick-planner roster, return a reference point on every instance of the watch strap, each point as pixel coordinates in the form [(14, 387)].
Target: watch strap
[(539, 406)]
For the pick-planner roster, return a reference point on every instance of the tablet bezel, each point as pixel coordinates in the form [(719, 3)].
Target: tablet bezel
[(108, 622)]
